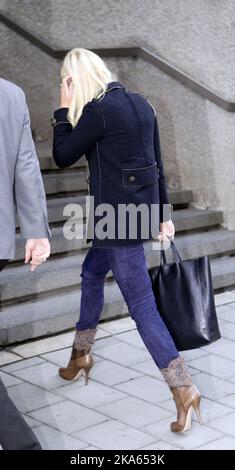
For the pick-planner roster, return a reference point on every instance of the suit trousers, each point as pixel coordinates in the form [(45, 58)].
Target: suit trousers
[(130, 271), (15, 434)]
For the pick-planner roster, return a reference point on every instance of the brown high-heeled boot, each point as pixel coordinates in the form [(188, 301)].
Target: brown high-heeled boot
[(187, 400), (81, 359), (186, 395)]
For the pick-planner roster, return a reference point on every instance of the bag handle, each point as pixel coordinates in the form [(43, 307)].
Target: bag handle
[(177, 257)]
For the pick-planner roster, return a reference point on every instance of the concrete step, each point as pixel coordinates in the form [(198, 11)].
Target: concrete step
[(51, 315), (220, 240), (59, 312), (180, 197), (65, 181), (191, 218), (44, 153), (73, 181), (56, 207), (63, 273), (223, 272), (177, 197), (184, 219)]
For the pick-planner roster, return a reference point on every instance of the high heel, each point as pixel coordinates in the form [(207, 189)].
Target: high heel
[(87, 371), (80, 361), (187, 400), (196, 407)]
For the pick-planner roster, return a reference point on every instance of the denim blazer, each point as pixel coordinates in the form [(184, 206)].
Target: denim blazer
[(118, 133)]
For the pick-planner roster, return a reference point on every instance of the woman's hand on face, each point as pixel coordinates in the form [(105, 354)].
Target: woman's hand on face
[(167, 229), (67, 91)]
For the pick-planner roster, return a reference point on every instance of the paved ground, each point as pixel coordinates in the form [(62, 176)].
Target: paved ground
[(126, 404)]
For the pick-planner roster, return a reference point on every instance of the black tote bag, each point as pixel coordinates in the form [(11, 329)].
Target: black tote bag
[(184, 296)]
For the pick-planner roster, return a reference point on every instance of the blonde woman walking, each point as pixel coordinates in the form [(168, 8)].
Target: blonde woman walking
[(117, 131)]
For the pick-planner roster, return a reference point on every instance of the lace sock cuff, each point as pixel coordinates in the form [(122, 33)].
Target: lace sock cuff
[(84, 339), (177, 374)]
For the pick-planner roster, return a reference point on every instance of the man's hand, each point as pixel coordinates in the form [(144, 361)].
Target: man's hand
[(36, 252), (167, 229)]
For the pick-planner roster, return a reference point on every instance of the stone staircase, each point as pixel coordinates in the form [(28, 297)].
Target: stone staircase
[(47, 301)]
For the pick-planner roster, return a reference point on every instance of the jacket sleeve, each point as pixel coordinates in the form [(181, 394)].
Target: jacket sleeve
[(163, 195), (29, 193), (162, 182), (69, 144)]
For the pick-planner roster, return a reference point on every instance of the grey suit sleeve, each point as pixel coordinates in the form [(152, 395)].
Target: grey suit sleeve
[(29, 191)]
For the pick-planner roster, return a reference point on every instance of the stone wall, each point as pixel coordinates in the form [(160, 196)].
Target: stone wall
[(196, 36)]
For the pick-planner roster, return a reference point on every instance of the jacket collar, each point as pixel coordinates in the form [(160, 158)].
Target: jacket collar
[(115, 84), (112, 86)]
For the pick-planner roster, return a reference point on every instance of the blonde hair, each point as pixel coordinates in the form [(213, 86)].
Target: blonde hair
[(90, 76)]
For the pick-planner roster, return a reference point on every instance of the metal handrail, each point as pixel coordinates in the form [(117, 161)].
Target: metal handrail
[(137, 52)]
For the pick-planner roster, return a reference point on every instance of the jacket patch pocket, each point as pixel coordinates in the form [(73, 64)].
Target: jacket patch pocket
[(144, 176)]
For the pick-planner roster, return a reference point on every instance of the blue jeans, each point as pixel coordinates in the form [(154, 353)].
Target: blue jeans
[(130, 271)]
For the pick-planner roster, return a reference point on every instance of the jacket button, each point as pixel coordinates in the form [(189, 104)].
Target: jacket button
[(131, 178)]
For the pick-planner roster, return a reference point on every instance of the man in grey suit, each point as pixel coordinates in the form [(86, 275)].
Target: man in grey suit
[(21, 192)]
